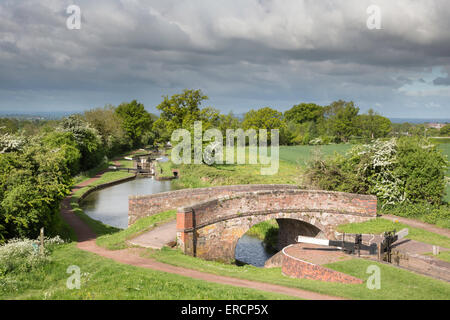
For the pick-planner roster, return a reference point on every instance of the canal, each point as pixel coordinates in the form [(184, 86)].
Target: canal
[(110, 206)]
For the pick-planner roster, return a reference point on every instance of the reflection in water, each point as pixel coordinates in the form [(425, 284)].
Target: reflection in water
[(110, 205), (251, 250)]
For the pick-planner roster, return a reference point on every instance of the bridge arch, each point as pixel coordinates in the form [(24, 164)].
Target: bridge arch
[(211, 229)]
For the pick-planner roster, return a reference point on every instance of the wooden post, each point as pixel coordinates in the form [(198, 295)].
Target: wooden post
[(41, 236), (379, 251)]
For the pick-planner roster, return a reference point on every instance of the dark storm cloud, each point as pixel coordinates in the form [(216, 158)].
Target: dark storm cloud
[(243, 53)]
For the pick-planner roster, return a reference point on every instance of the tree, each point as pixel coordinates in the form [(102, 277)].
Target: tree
[(32, 184), (266, 118), (445, 131), (179, 112), (136, 121), (109, 125), (342, 120), (304, 112), (374, 126), (65, 143), (87, 139)]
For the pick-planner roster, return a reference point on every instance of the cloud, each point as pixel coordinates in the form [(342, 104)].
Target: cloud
[(243, 53)]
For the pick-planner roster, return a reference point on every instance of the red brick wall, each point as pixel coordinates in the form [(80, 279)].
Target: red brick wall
[(143, 206), (296, 268)]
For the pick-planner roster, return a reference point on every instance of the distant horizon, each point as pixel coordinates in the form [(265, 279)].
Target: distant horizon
[(61, 114)]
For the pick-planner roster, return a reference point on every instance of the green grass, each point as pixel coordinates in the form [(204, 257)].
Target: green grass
[(396, 283), (105, 279), (266, 231), (381, 225), (117, 240), (447, 190), (302, 155), (293, 161), (91, 173), (440, 140), (443, 255), (165, 167)]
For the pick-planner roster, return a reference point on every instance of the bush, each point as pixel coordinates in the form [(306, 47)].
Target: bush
[(396, 171), (22, 255)]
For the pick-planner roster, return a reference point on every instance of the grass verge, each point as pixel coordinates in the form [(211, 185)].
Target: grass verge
[(396, 283), (443, 255), (105, 279), (381, 225)]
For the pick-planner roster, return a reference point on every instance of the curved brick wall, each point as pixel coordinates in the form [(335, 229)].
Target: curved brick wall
[(296, 268), (143, 206), (219, 223)]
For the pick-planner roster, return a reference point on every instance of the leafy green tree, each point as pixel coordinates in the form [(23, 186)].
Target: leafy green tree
[(136, 121), (65, 143), (304, 112), (109, 125), (180, 111), (342, 120), (87, 139), (445, 131), (266, 118), (228, 121), (32, 184), (374, 126), (421, 166)]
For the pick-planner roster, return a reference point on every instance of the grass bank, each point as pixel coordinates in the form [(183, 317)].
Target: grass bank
[(105, 279), (443, 255), (381, 225)]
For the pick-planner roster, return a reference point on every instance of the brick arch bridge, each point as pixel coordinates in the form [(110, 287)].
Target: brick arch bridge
[(221, 215), (211, 229)]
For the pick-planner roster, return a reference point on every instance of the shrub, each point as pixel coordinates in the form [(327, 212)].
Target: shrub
[(22, 255), (396, 171)]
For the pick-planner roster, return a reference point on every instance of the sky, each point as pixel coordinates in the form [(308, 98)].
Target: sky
[(243, 54)]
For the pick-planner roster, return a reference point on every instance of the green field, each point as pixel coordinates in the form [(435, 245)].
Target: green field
[(302, 155)]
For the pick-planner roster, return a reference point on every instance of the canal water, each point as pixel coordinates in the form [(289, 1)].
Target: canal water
[(251, 250), (110, 206)]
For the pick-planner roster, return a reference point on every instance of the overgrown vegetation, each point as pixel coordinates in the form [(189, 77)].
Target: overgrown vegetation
[(406, 174), (24, 255)]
